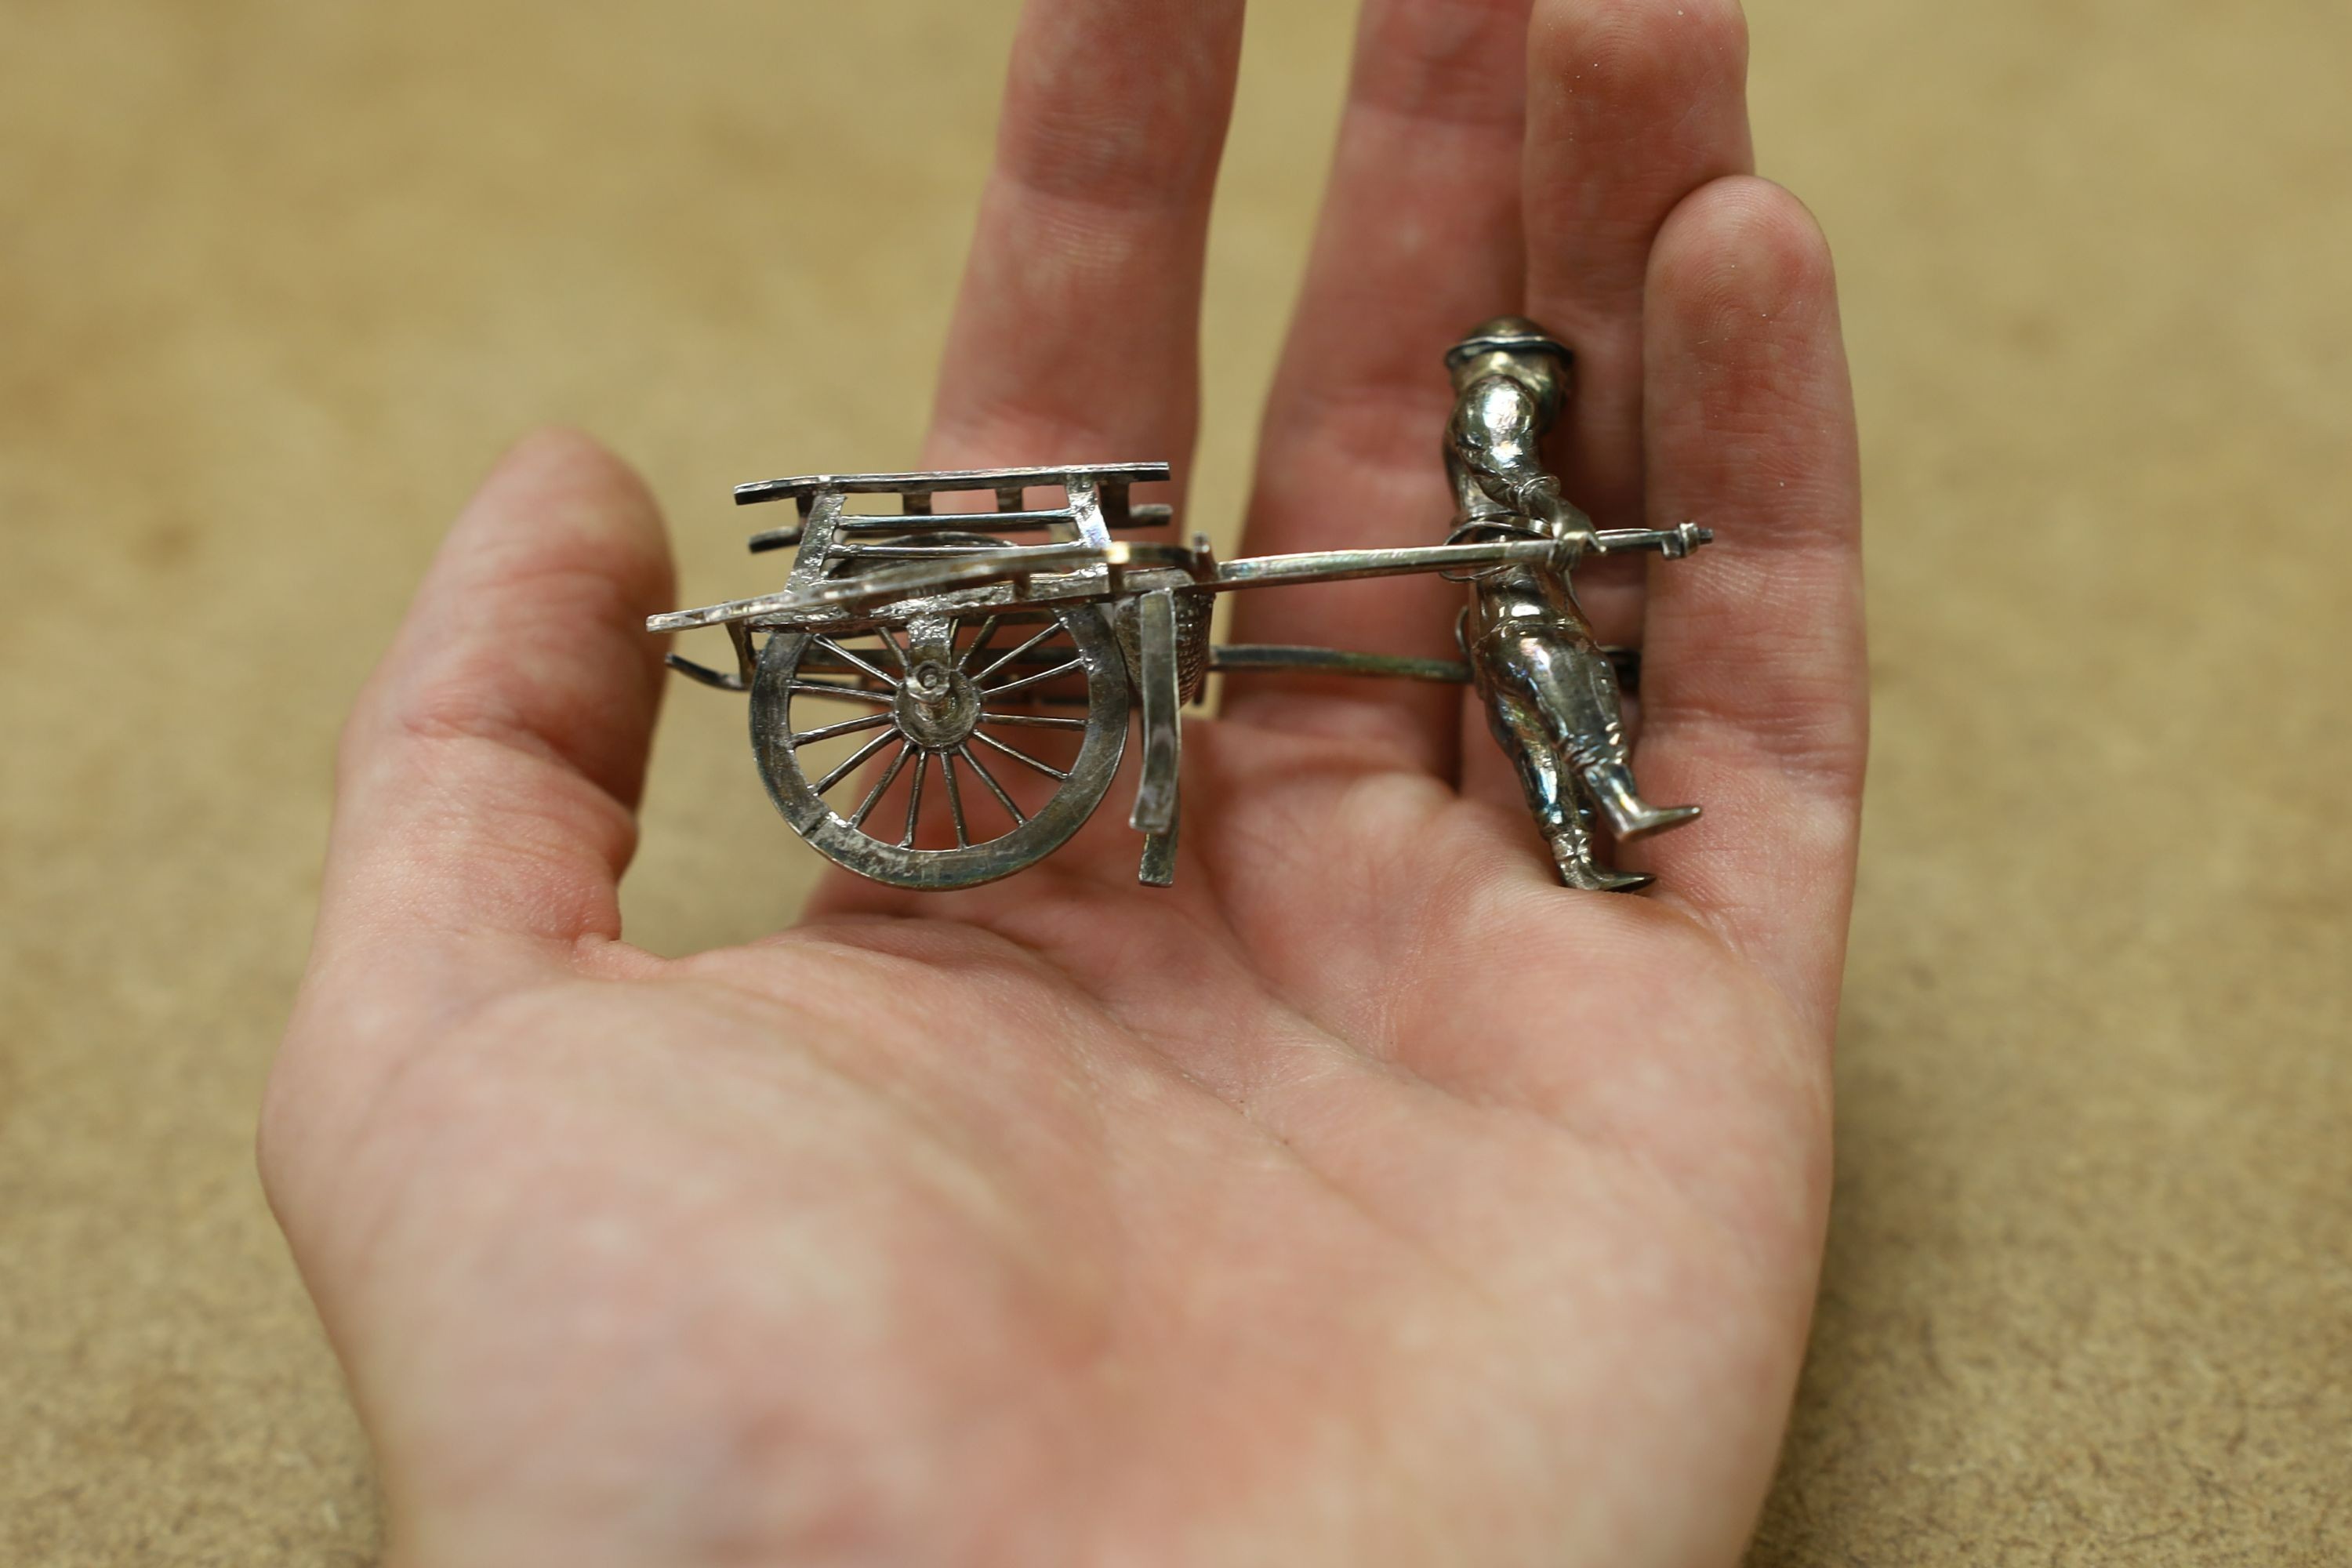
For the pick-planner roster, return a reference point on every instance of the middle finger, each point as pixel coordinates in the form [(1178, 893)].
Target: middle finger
[(1075, 335), (1631, 105), (1419, 238)]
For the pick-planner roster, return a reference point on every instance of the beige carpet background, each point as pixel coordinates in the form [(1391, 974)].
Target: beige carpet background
[(277, 279)]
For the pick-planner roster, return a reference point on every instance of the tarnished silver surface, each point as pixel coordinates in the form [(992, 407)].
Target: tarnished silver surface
[(802, 488), (1551, 696), (998, 522), (1248, 659), (946, 707), (1192, 613), (917, 651), (1062, 572), (1158, 690)]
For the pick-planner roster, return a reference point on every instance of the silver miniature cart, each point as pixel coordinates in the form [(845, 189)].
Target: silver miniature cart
[(957, 652)]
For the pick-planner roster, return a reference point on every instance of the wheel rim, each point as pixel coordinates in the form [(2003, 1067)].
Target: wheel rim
[(955, 707)]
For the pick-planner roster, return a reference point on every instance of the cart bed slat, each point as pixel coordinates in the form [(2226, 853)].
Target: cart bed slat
[(947, 480), (1152, 516)]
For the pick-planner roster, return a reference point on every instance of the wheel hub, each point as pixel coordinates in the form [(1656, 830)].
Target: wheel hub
[(938, 706)]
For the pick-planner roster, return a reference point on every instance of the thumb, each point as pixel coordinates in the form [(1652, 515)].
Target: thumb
[(489, 775)]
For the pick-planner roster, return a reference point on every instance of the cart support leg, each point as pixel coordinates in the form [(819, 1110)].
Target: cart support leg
[(1155, 796), (1159, 867)]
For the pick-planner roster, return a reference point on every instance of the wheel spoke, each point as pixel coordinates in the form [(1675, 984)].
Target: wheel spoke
[(955, 800), (987, 631), (921, 714), (995, 788), (1051, 628), (827, 689), (846, 727), (1019, 755), (1035, 721), (842, 653), (851, 766), (1029, 680), (874, 796), (915, 800)]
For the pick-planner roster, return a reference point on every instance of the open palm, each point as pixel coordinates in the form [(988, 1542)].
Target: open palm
[(1366, 1198)]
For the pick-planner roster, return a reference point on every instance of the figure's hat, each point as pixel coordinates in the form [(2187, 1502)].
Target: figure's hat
[(1507, 334)]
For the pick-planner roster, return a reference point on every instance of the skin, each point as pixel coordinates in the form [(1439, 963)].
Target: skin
[(1365, 1199)]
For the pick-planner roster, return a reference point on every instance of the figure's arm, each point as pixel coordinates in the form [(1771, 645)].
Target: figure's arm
[(1496, 434)]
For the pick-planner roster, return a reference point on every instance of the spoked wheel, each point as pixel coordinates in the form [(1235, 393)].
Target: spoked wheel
[(905, 752)]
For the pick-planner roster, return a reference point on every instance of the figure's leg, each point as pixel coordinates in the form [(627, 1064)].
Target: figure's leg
[(1574, 844), (1521, 735), (1560, 816), (1576, 692)]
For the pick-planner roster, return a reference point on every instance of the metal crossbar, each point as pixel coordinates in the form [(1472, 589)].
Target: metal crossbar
[(1107, 474), (1153, 515)]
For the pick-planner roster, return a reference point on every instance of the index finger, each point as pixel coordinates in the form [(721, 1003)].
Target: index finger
[(1075, 334), (1419, 236)]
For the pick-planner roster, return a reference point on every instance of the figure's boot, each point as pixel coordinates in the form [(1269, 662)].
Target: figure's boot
[(1630, 817), (1571, 851)]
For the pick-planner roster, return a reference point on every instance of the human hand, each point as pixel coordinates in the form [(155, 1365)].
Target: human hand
[(1367, 1197)]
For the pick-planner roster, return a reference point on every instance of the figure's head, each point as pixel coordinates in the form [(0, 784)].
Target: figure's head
[(1516, 347)]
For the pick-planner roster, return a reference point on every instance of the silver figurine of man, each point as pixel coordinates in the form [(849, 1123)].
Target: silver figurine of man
[(1551, 693)]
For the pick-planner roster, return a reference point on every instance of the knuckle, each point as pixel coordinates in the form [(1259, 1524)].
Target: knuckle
[(1121, 132), (460, 706), (1063, 154), (274, 1127), (1647, 55), (1817, 735), (1444, 60), (1794, 696)]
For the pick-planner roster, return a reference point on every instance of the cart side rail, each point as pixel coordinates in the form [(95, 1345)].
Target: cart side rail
[(1153, 515), (924, 484), (1095, 504)]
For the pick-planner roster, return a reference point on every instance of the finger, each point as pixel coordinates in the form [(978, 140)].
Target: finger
[(489, 775), (1076, 335), (1631, 105), (1754, 692), (1419, 238)]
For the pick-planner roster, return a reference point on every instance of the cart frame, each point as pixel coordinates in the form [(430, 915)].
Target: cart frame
[(1135, 612)]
